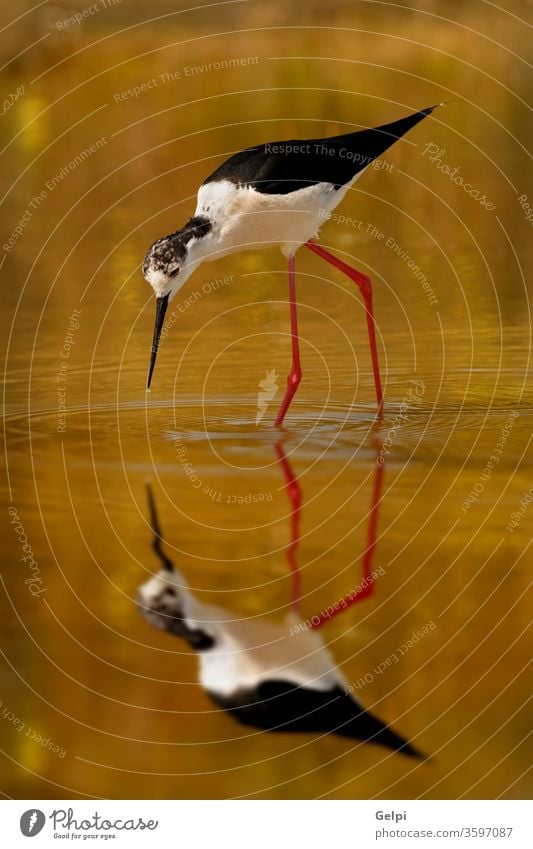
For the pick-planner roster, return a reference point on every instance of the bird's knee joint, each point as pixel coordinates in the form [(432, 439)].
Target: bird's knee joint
[(294, 378)]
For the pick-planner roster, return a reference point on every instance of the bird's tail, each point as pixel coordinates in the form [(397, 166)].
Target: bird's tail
[(363, 725), (366, 145)]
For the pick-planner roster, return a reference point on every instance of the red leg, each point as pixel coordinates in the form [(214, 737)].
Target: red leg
[(295, 374), (295, 497), (365, 286), (366, 587)]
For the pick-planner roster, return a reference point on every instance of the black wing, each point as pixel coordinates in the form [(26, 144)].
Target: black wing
[(279, 168), (282, 706)]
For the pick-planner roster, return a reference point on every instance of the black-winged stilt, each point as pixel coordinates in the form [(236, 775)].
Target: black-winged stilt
[(278, 193), (276, 676)]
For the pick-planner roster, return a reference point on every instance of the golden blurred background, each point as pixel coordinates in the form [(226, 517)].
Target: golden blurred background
[(113, 114)]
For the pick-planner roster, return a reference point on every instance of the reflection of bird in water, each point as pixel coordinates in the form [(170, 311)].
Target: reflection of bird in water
[(272, 676), (278, 193)]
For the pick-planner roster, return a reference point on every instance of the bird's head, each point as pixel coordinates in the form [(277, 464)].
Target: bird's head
[(167, 266), (163, 268), (162, 264)]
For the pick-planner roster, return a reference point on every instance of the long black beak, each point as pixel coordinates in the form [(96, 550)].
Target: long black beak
[(161, 305)]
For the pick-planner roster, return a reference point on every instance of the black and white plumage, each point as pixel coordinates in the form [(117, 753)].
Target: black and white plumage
[(278, 193), (267, 675), (275, 676)]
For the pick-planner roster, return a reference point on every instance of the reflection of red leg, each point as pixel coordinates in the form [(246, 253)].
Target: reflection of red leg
[(295, 497), (365, 286), (366, 587), (367, 583), (295, 374)]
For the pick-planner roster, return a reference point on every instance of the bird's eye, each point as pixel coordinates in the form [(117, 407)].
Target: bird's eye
[(174, 272)]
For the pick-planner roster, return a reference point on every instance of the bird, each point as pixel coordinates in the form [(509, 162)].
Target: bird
[(271, 675), (273, 194)]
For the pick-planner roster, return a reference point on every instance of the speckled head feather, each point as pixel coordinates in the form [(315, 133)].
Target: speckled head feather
[(166, 256)]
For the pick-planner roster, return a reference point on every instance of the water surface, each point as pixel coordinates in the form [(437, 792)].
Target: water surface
[(270, 528)]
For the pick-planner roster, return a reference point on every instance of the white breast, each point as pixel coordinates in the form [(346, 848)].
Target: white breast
[(244, 218), (250, 651)]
